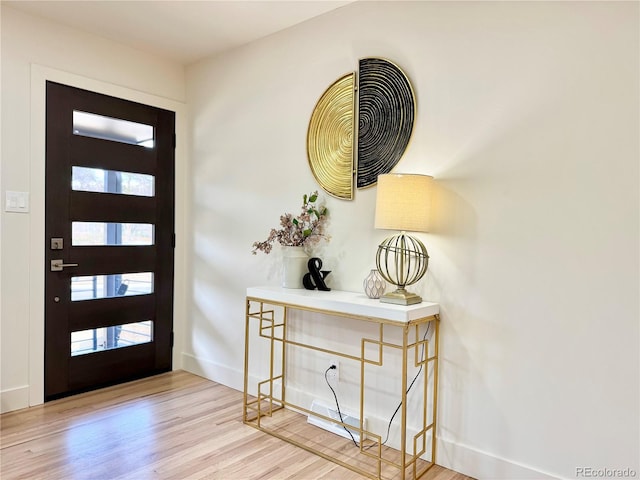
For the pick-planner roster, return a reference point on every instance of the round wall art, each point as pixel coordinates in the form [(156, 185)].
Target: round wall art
[(362, 129)]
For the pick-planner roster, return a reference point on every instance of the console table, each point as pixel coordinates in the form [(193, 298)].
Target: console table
[(408, 332)]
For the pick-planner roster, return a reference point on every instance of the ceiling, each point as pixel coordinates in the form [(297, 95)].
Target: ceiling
[(184, 31)]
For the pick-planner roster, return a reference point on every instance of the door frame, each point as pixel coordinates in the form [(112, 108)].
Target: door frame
[(39, 77)]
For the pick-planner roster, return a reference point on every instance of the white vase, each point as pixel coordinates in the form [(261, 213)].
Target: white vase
[(294, 266), (374, 285)]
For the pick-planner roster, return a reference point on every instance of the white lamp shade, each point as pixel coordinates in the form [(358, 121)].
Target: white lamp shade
[(403, 202)]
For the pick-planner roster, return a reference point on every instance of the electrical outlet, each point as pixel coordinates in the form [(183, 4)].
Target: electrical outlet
[(333, 375)]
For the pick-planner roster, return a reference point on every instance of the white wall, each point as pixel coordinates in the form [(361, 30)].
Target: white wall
[(34, 50), (528, 119)]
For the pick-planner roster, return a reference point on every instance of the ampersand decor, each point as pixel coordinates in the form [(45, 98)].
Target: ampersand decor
[(315, 278)]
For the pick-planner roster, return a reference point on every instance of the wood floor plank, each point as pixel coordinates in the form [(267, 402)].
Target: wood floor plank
[(171, 426)]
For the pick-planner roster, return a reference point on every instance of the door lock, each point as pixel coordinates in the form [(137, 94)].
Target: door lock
[(57, 243), (58, 266)]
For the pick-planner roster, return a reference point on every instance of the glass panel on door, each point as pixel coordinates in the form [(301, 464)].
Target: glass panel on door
[(108, 338), (87, 179), (114, 129), (103, 234), (108, 286)]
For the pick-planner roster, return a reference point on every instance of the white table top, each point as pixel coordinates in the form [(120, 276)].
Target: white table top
[(351, 303)]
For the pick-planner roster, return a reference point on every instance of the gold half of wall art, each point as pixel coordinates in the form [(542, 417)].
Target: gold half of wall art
[(330, 138)]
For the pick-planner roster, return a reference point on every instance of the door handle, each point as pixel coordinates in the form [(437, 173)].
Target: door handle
[(58, 266)]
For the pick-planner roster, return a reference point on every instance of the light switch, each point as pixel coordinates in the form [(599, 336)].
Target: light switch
[(17, 202)]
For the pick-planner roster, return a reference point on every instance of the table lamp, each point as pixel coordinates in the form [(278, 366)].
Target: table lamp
[(403, 203)]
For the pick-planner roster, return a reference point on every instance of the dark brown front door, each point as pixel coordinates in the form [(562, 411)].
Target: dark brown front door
[(109, 240)]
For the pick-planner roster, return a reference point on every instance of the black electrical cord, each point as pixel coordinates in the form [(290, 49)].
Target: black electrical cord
[(399, 405), (332, 367)]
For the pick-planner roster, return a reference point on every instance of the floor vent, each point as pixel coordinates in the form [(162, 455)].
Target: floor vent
[(347, 417)]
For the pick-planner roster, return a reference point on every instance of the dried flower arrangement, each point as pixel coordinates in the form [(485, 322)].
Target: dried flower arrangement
[(305, 230)]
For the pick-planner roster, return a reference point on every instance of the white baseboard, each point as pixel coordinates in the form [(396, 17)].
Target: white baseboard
[(14, 399), (213, 371), (483, 465)]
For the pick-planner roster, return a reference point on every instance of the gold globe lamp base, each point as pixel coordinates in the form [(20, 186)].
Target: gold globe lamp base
[(402, 260)]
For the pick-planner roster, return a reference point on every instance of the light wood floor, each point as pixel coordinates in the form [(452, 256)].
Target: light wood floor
[(172, 426)]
